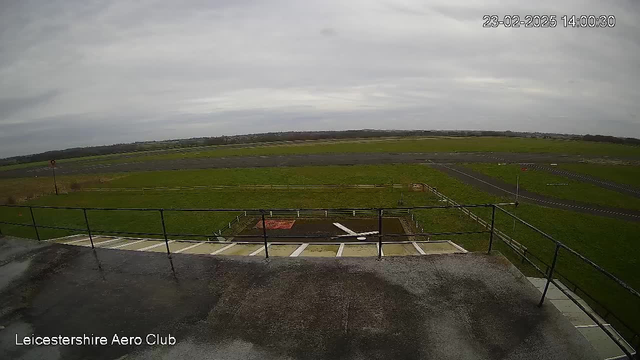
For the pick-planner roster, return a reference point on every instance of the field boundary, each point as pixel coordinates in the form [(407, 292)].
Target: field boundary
[(251, 187)]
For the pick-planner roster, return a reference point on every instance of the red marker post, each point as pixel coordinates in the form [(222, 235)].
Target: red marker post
[(52, 164)]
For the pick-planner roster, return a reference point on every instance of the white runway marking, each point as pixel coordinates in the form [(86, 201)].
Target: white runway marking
[(222, 249), (340, 250), (188, 248), (299, 250), (344, 228), (155, 245), (259, 250), (418, 248), (126, 244)]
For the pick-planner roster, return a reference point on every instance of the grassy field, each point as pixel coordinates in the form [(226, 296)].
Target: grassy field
[(480, 144), (21, 189), (432, 144), (609, 242), (536, 181), (624, 174)]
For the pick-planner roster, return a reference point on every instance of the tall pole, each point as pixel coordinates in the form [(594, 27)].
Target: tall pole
[(379, 233), (55, 183), (493, 221), (517, 192), (264, 234)]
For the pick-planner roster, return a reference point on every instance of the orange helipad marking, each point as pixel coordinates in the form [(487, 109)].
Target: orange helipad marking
[(276, 224)]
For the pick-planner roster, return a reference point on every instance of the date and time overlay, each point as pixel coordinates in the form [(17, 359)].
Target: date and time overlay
[(549, 21)]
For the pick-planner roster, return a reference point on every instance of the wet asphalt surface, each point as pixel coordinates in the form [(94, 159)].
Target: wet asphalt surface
[(86, 167), (468, 306), (501, 188)]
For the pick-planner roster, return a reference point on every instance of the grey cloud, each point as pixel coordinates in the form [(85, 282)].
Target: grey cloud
[(75, 73)]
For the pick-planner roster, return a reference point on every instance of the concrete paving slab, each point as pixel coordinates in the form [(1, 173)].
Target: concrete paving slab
[(399, 250), (206, 248), (174, 246), (87, 242), (320, 251), (135, 245), (281, 250), (438, 248), (114, 243), (357, 250), (569, 309), (69, 238), (241, 249), (601, 342)]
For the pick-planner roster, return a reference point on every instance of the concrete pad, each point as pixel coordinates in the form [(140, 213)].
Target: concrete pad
[(601, 342), (69, 238), (241, 249), (320, 251), (173, 247), (399, 250), (438, 248), (360, 250), (87, 242), (281, 250), (139, 245), (111, 243), (569, 309), (206, 248)]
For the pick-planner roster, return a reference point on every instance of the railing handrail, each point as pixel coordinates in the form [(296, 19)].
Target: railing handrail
[(424, 207), (582, 257)]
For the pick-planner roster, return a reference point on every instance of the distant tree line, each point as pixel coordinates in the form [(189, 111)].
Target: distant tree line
[(291, 136)]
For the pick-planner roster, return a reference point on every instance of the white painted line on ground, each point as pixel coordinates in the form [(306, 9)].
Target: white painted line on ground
[(64, 237), (126, 244), (222, 249), (299, 250), (155, 245), (188, 248), (76, 241), (259, 250), (418, 248), (340, 250), (620, 357), (379, 248), (457, 246), (590, 326), (106, 242), (344, 228)]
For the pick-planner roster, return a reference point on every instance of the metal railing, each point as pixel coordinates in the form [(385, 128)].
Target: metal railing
[(550, 271), (380, 212)]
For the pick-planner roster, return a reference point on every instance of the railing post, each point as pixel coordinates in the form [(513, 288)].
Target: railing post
[(264, 234), (493, 221), (379, 233), (164, 231), (86, 221), (33, 220), (550, 276)]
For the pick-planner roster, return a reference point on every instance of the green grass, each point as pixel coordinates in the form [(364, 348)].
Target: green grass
[(472, 144), (623, 174), (537, 180), (610, 243)]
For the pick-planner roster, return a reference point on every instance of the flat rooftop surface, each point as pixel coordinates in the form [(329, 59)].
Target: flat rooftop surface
[(457, 306)]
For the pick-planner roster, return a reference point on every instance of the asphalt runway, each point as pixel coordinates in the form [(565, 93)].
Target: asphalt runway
[(86, 167), (500, 188)]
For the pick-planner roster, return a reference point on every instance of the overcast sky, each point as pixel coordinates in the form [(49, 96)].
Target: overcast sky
[(86, 72)]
